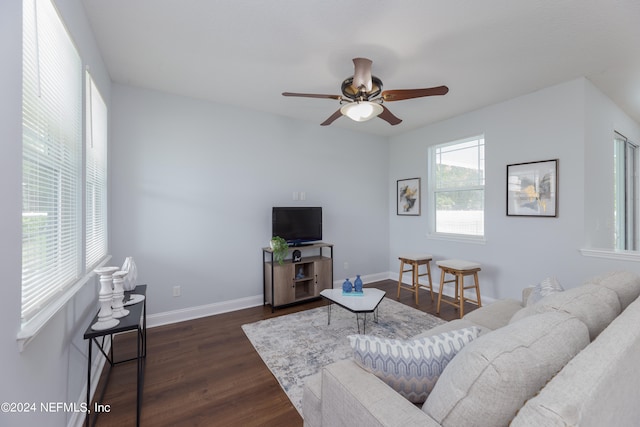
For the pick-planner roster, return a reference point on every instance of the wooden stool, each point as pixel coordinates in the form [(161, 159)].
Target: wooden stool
[(459, 269), (415, 261)]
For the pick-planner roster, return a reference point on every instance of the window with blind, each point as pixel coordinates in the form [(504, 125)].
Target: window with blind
[(52, 158), (96, 176), (456, 188)]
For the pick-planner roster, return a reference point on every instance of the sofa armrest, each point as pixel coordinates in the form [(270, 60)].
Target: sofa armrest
[(354, 397)]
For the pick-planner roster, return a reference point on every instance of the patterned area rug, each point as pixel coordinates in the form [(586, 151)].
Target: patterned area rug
[(298, 345)]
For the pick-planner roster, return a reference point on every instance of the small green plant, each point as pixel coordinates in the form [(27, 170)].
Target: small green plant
[(280, 249)]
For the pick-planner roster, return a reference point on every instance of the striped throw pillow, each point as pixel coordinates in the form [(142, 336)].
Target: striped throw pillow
[(410, 367)]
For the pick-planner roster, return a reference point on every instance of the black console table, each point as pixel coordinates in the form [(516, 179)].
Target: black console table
[(136, 320)]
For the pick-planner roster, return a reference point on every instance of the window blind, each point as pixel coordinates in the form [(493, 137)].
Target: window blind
[(52, 157), (95, 176)]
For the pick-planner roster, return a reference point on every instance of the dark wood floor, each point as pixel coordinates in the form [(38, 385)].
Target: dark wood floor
[(205, 372)]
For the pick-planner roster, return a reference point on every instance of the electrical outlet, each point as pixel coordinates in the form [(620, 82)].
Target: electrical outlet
[(176, 291), (346, 265), (303, 195)]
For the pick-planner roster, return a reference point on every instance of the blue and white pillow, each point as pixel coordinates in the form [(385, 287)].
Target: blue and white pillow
[(410, 367), (548, 286)]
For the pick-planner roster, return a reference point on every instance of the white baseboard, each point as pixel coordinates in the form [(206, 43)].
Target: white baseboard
[(190, 313), (78, 417), (448, 288)]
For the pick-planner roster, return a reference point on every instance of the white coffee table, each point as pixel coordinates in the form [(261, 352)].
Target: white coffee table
[(366, 303)]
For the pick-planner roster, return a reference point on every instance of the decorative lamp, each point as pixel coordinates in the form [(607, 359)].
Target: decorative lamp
[(361, 111)]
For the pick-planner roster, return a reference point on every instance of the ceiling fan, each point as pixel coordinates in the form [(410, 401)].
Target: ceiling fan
[(363, 98)]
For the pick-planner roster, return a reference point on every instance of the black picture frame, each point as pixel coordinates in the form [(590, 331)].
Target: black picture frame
[(532, 189), (408, 197)]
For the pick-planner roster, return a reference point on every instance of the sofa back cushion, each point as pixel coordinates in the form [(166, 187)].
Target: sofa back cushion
[(494, 375), (595, 305), (624, 283), (598, 387)]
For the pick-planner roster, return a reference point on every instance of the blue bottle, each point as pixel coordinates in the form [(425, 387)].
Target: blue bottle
[(346, 286), (357, 284)]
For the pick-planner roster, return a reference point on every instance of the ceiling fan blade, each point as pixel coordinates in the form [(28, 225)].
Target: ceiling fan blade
[(401, 94), (362, 74), (387, 116), (312, 95), (332, 119)]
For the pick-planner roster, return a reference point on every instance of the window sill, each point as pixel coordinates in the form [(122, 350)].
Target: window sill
[(478, 240), (620, 255), (30, 329)]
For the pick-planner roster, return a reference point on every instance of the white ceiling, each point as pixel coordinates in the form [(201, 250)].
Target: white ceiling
[(247, 52)]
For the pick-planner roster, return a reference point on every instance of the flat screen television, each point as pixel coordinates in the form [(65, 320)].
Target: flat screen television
[(297, 225)]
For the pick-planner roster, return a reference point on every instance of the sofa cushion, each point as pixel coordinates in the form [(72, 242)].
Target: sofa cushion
[(548, 286), (312, 401), (595, 305), (624, 283), (495, 315), (410, 367), (598, 387), (493, 376), (454, 325)]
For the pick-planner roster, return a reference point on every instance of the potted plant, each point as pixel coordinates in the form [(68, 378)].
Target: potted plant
[(280, 248)]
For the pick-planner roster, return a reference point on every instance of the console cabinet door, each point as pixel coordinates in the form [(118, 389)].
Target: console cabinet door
[(323, 275), (283, 285)]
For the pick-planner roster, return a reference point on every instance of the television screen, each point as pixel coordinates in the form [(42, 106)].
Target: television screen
[(297, 225)]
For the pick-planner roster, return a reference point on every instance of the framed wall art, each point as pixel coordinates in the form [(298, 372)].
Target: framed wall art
[(532, 189), (408, 196)]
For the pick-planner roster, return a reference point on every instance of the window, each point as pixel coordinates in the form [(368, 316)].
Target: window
[(625, 167), (96, 176), (54, 260), (456, 188)]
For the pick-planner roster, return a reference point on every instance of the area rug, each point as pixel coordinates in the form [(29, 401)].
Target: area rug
[(298, 345)]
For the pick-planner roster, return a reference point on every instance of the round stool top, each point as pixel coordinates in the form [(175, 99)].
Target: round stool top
[(416, 257), (457, 264)]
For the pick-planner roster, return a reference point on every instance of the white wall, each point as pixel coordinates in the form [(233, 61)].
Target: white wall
[(519, 251), (193, 184), (53, 366)]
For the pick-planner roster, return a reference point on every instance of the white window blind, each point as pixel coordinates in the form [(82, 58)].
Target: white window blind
[(52, 157), (457, 187), (96, 176)]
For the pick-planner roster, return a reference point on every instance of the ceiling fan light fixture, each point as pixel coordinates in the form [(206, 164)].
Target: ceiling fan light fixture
[(361, 111)]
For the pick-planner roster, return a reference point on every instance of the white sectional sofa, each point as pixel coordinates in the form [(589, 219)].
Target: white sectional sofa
[(571, 359)]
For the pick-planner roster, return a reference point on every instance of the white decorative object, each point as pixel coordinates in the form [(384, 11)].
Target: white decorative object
[(105, 315), (130, 279), (134, 299), (118, 295)]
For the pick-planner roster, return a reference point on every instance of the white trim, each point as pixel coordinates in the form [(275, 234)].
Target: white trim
[(181, 315), (369, 278), (78, 417), (448, 289), (30, 329), (616, 254), (461, 238)]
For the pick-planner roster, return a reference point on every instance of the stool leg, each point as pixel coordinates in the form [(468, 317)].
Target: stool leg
[(400, 279), (475, 278), (430, 282), (461, 278), (440, 293), (416, 285)]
